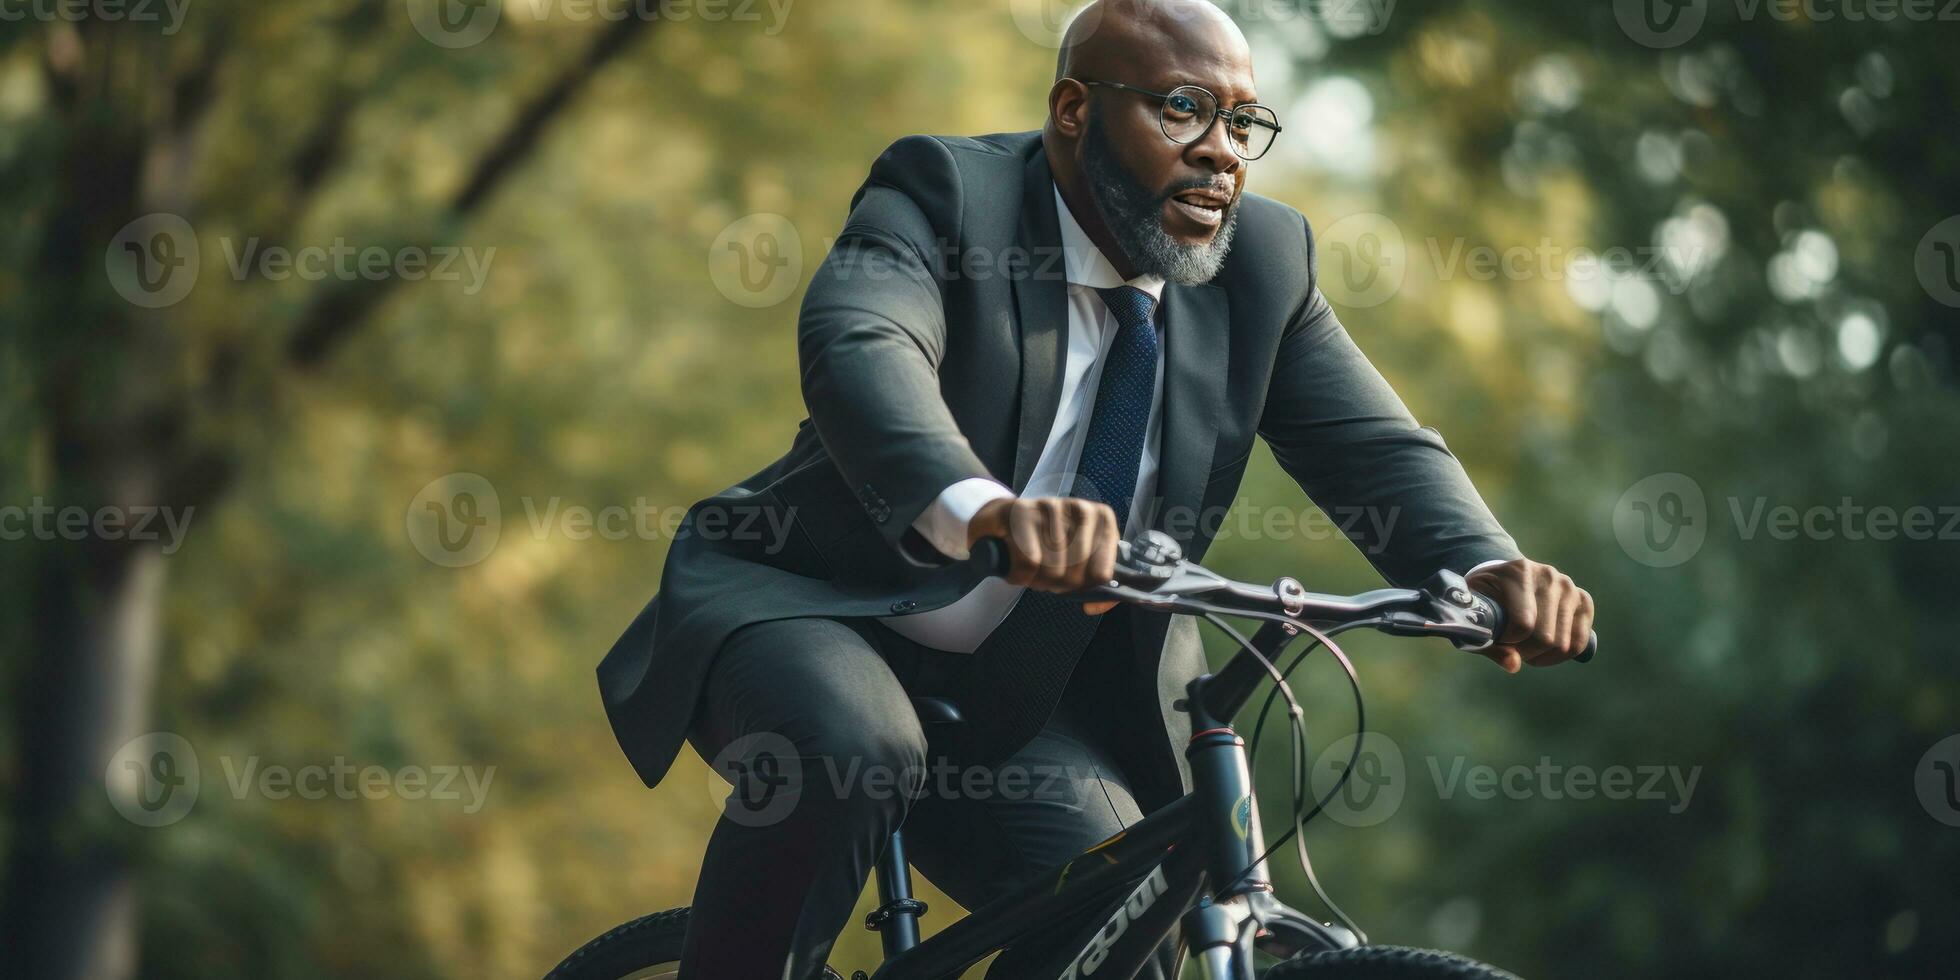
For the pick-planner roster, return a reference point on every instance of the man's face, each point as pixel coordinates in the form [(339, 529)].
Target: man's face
[(1195, 180), (1171, 206)]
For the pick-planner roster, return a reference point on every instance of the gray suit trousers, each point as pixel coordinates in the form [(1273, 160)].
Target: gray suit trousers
[(811, 720)]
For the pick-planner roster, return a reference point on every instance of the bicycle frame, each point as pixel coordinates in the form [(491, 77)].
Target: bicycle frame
[(1122, 898)]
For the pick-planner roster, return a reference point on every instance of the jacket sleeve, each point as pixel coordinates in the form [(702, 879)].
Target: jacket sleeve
[(1343, 434), (870, 339)]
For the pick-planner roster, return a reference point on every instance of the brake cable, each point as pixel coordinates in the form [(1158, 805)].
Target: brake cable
[(1300, 746)]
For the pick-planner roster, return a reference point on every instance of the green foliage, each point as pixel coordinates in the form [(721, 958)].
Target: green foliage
[(600, 367)]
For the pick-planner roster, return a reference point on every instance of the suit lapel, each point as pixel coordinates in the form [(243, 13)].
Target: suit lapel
[(1197, 354), (1041, 303), (1197, 358)]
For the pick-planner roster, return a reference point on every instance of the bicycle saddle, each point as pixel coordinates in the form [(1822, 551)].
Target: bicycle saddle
[(937, 711)]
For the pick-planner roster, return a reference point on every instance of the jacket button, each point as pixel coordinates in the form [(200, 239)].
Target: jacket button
[(904, 606)]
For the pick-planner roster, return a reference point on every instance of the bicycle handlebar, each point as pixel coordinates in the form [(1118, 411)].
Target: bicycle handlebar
[(1152, 572)]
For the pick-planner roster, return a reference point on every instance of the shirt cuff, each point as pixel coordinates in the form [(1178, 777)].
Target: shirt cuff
[(943, 523)]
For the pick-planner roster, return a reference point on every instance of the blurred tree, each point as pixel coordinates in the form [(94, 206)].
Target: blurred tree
[(1784, 172), (140, 410)]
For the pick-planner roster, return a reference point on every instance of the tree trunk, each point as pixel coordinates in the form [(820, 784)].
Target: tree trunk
[(72, 890)]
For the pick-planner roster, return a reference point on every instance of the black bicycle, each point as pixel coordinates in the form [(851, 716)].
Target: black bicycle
[(1198, 865)]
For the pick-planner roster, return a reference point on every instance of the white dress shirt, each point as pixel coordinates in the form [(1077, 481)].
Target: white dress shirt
[(961, 627)]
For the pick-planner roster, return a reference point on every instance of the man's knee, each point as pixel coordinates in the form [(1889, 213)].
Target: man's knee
[(811, 704), (865, 762)]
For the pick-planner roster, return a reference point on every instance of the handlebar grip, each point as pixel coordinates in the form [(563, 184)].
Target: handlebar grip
[(993, 556), (1592, 647), (1495, 613)]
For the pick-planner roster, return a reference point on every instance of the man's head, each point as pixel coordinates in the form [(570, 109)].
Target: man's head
[(1155, 205)]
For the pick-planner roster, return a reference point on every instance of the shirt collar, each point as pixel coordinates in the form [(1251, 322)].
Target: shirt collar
[(1086, 265)]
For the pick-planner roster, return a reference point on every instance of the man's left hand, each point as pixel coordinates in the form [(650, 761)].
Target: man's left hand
[(1547, 617)]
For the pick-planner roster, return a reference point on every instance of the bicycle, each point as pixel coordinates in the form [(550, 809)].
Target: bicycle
[(1122, 897)]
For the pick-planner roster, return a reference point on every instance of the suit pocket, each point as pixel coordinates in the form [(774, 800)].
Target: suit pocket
[(821, 507)]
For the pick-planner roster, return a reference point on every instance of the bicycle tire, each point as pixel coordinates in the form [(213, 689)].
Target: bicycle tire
[(647, 948), (1384, 963)]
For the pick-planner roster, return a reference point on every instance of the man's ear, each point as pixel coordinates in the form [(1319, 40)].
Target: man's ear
[(1068, 108)]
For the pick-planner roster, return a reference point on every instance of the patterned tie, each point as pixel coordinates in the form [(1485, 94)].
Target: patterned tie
[(1018, 674)]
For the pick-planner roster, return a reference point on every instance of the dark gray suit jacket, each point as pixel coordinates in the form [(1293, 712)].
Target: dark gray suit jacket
[(932, 341)]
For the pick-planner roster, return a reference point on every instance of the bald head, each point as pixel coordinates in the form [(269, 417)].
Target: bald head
[(1108, 35), (1153, 201)]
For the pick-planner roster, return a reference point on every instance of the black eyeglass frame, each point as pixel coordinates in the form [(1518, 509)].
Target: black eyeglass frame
[(1218, 112)]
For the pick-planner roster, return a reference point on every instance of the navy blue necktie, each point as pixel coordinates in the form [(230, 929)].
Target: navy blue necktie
[(1019, 672), (1113, 451)]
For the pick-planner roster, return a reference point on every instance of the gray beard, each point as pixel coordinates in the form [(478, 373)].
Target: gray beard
[(1135, 218)]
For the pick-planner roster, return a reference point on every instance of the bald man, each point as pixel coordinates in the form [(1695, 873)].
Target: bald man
[(1053, 338)]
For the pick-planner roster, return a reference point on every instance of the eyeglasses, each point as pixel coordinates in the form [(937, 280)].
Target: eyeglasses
[(1188, 112)]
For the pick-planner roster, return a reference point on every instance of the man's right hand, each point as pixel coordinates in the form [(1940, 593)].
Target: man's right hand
[(1057, 544)]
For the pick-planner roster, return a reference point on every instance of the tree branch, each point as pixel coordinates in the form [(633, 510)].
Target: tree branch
[(339, 309)]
